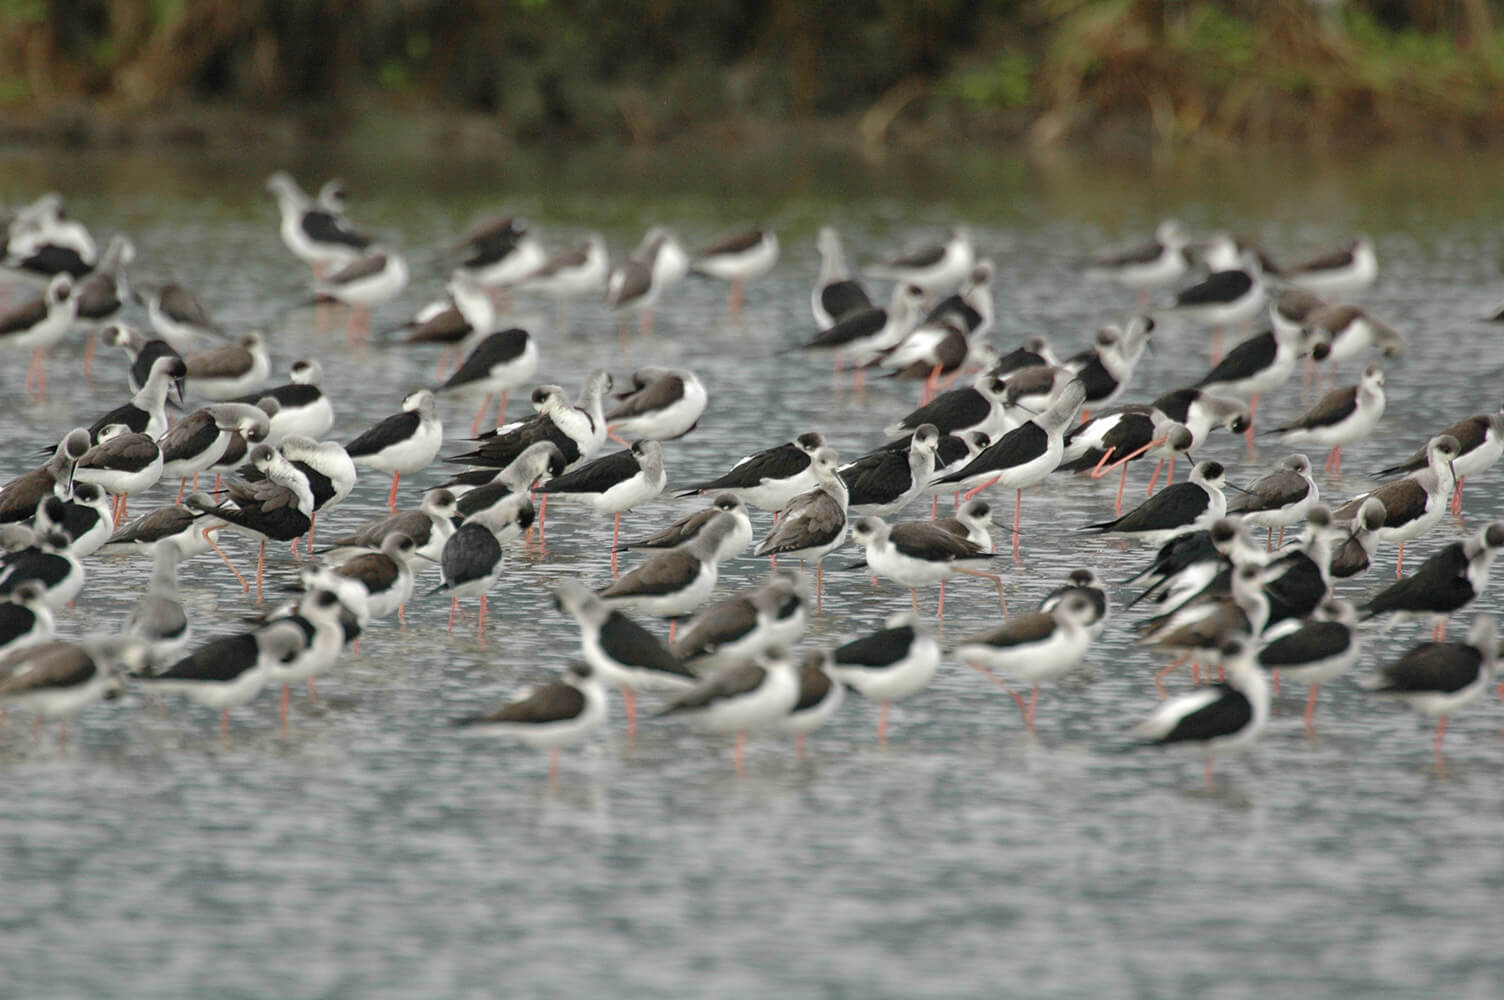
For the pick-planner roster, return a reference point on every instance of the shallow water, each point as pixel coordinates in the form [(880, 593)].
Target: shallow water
[(372, 851)]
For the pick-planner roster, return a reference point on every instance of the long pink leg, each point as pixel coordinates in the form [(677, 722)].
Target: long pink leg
[(1155, 478), (615, 537), (286, 699), (979, 489), (737, 291), (1209, 784), (1311, 710), (882, 725), (1457, 498), (1441, 730), (553, 766), (485, 405), (1160, 675), (260, 565), (1399, 563), (501, 407), (391, 499), (741, 747), (245, 588), (799, 747), (224, 727), (629, 705), (994, 678), (1018, 510), (454, 603), (480, 626), (1253, 408)]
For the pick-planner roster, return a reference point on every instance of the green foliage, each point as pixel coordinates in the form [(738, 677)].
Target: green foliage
[(574, 68), (1220, 46), (1006, 82), (23, 11), (13, 90)]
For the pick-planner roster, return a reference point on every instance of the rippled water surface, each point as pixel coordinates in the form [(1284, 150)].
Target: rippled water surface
[(372, 851)]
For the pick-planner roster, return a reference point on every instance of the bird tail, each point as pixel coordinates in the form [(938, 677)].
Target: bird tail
[(467, 720)]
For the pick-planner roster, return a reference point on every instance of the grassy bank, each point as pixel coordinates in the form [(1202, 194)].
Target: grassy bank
[(1137, 74)]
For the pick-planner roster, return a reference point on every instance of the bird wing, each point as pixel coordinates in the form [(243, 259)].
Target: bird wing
[(664, 573), (924, 540), (880, 649), (223, 362), (1332, 408), (556, 702), (596, 476), (1431, 667), (656, 395)]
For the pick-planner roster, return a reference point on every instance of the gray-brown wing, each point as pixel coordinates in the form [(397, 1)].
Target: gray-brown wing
[(1270, 492), (728, 683), (726, 622), (411, 523), (555, 702), (222, 362), (1329, 260), (811, 519), (375, 569), (563, 261), (921, 538), (23, 317), (181, 304), (1333, 408), (677, 533), (19, 498), (262, 495), (445, 326), (128, 451), (655, 396), (1017, 631), (51, 665), (636, 276), (158, 524), (665, 573), (360, 267), (738, 243)]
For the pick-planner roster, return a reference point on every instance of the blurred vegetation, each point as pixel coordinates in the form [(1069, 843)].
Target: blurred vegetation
[(1169, 71)]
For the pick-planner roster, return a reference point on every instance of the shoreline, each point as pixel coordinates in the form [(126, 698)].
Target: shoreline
[(408, 131)]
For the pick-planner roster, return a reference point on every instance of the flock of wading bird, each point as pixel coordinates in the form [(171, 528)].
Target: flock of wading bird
[(987, 418)]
